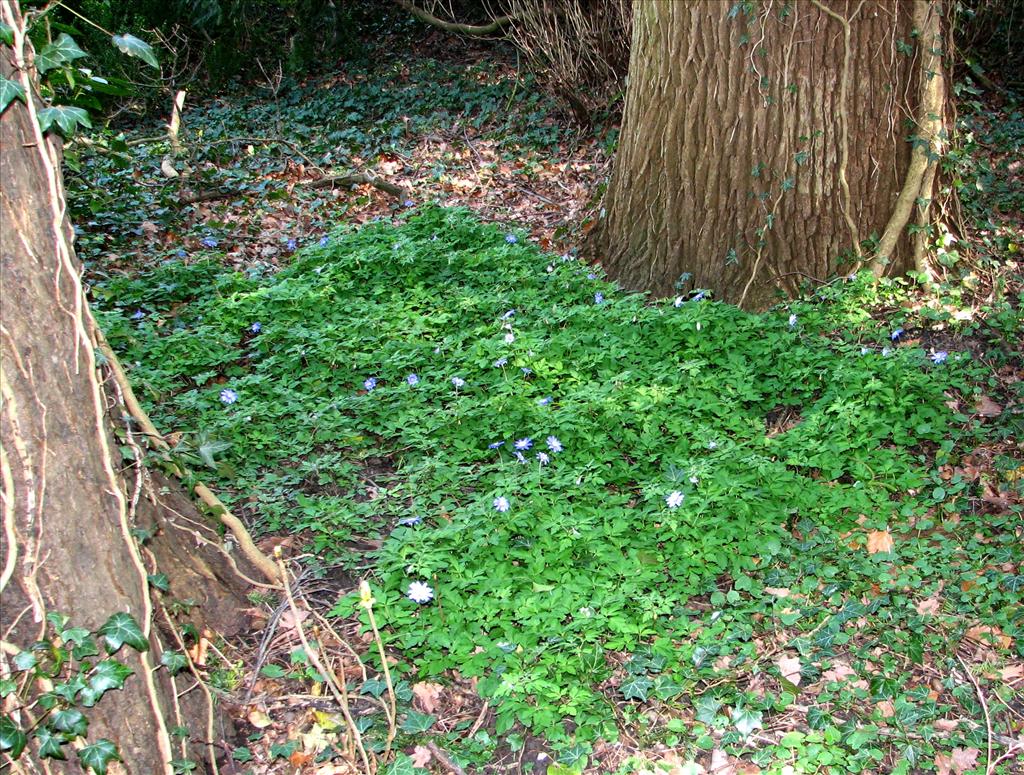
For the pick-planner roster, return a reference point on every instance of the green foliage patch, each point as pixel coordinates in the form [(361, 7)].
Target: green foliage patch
[(383, 384)]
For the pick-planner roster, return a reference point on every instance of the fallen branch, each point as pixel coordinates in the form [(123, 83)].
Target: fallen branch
[(245, 543), (326, 182), (475, 30)]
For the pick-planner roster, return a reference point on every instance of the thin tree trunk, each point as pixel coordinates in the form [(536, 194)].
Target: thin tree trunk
[(758, 139)]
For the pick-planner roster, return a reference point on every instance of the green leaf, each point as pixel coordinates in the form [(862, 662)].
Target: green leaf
[(6, 34), (242, 755), (134, 47), (746, 721), (7, 687), (97, 756), (62, 50), (183, 766), (283, 750), (374, 687), (707, 708), (71, 722), (12, 739), (415, 723), (400, 765), (209, 449), (121, 628), (637, 688), (160, 581), (66, 117), (175, 662), (109, 674), (50, 744), (273, 671), (76, 635), (25, 660)]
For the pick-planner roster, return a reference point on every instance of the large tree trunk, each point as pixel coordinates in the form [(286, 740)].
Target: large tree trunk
[(762, 142), (67, 543)]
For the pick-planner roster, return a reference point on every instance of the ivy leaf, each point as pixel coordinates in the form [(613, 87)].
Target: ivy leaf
[(76, 635), (273, 671), (209, 449), (241, 754), (400, 765), (50, 743), (65, 117), (97, 756), (84, 650), (62, 50), (746, 721), (7, 687), (121, 628), (135, 47), (71, 722), (12, 739), (415, 723), (70, 688), (109, 674), (707, 707), (25, 660), (665, 688), (175, 661), (636, 688), (374, 687), (6, 34), (160, 581)]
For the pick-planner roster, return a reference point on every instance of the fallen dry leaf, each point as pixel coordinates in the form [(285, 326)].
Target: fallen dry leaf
[(790, 669), (421, 756), (929, 606), (986, 407), (886, 708), (880, 541), (1012, 672), (987, 636), (943, 764), (259, 718), (720, 763), (289, 621), (778, 591), (963, 759), (427, 694)]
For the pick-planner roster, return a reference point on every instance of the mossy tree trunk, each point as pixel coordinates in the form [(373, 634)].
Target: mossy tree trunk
[(763, 142), (68, 515)]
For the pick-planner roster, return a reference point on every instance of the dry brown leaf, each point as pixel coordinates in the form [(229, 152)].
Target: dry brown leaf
[(720, 763), (838, 671), (946, 724), (289, 621), (673, 764), (886, 708), (964, 759), (987, 636), (1012, 672), (427, 695), (790, 669), (929, 606), (880, 541), (778, 591), (259, 718), (943, 764), (986, 407), (421, 756)]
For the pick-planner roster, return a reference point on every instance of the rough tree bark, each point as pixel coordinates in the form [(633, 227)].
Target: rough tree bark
[(762, 142), (68, 513)]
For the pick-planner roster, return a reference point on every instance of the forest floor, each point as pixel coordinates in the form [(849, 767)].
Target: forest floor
[(601, 532)]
